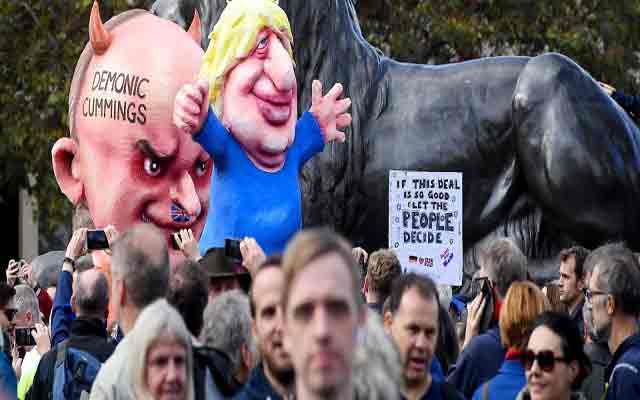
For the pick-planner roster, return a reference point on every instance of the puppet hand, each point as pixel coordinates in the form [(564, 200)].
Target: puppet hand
[(191, 107), (330, 112)]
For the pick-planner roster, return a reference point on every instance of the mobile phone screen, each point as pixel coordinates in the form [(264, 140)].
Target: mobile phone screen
[(97, 240), (24, 338), (232, 249)]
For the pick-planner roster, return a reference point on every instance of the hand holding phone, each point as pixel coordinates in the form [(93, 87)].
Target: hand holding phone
[(24, 337), (232, 249)]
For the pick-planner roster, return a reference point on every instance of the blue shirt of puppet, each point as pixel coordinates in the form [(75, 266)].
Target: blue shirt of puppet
[(246, 201)]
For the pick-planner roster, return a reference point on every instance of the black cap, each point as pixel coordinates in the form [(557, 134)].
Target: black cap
[(217, 265)]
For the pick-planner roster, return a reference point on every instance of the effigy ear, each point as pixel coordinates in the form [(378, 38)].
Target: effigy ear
[(195, 29), (99, 37)]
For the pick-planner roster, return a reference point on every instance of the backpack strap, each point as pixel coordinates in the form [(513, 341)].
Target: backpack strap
[(61, 353), (485, 391)]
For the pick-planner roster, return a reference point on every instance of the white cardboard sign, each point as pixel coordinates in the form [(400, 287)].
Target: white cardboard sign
[(425, 223)]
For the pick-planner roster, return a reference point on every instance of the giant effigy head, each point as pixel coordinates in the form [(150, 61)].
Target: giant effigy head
[(252, 84), (124, 161)]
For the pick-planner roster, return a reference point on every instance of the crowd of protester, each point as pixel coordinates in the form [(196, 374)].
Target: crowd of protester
[(321, 321)]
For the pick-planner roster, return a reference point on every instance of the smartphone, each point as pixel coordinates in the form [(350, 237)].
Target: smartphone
[(174, 241), (24, 337), (232, 249), (487, 312), (485, 288), (97, 240)]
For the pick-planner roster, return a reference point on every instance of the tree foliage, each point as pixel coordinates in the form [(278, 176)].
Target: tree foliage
[(599, 35), (41, 41)]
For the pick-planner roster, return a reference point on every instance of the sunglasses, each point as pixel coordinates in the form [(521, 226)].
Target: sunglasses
[(546, 360)]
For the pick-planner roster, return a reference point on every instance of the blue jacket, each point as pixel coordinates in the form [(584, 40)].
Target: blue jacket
[(257, 387), (507, 384), (436, 370), (623, 372), (62, 315), (247, 201), (8, 381), (479, 362)]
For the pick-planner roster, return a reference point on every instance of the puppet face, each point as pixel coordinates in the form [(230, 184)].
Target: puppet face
[(260, 102), (131, 163)]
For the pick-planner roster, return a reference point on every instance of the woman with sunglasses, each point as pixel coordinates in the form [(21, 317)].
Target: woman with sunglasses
[(555, 362), (522, 305)]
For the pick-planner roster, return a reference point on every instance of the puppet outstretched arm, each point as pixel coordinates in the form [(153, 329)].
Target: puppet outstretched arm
[(193, 115), (330, 112)]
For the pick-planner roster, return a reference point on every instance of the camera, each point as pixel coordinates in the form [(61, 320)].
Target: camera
[(24, 337), (97, 240), (232, 249)]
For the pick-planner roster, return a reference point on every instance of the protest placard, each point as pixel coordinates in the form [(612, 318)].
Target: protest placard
[(425, 223)]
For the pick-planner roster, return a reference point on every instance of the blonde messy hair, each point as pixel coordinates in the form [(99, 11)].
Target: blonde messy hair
[(234, 37)]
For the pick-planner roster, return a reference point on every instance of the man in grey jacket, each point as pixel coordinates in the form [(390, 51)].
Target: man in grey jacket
[(140, 275)]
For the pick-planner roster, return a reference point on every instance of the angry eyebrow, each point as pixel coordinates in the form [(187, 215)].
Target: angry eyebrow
[(145, 147)]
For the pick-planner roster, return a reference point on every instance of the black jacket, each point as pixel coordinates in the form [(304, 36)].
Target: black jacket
[(478, 362), (87, 334), (258, 387), (218, 364)]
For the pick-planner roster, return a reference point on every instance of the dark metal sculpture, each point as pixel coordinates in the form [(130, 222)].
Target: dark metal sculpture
[(548, 158)]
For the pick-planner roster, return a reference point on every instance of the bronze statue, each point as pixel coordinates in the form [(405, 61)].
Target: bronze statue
[(549, 159)]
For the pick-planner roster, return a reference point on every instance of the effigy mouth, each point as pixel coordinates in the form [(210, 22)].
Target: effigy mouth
[(275, 113)]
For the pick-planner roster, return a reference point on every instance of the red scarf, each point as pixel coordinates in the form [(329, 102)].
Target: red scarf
[(497, 305), (513, 354)]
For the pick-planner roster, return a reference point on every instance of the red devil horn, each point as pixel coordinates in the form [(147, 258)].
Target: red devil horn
[(194, 29), (98, 35)]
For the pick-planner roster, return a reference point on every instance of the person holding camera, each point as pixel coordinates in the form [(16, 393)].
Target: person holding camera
[(82, 240), (233, 266), (88, 339), (483, 353), (8, 380), (30, 338)]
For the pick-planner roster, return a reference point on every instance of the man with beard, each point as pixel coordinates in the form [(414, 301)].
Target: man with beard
[(614, 295), (273, 377), (572, 282), (412, 322), (322, 314)]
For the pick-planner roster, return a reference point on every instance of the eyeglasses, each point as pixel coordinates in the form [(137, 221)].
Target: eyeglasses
[(588, 293), (546, 360)]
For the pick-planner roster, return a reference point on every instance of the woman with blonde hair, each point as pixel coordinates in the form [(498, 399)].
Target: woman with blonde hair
[(523, 304), (161, 368)]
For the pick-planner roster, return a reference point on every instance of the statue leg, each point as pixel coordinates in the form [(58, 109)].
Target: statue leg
[(579, 152)]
